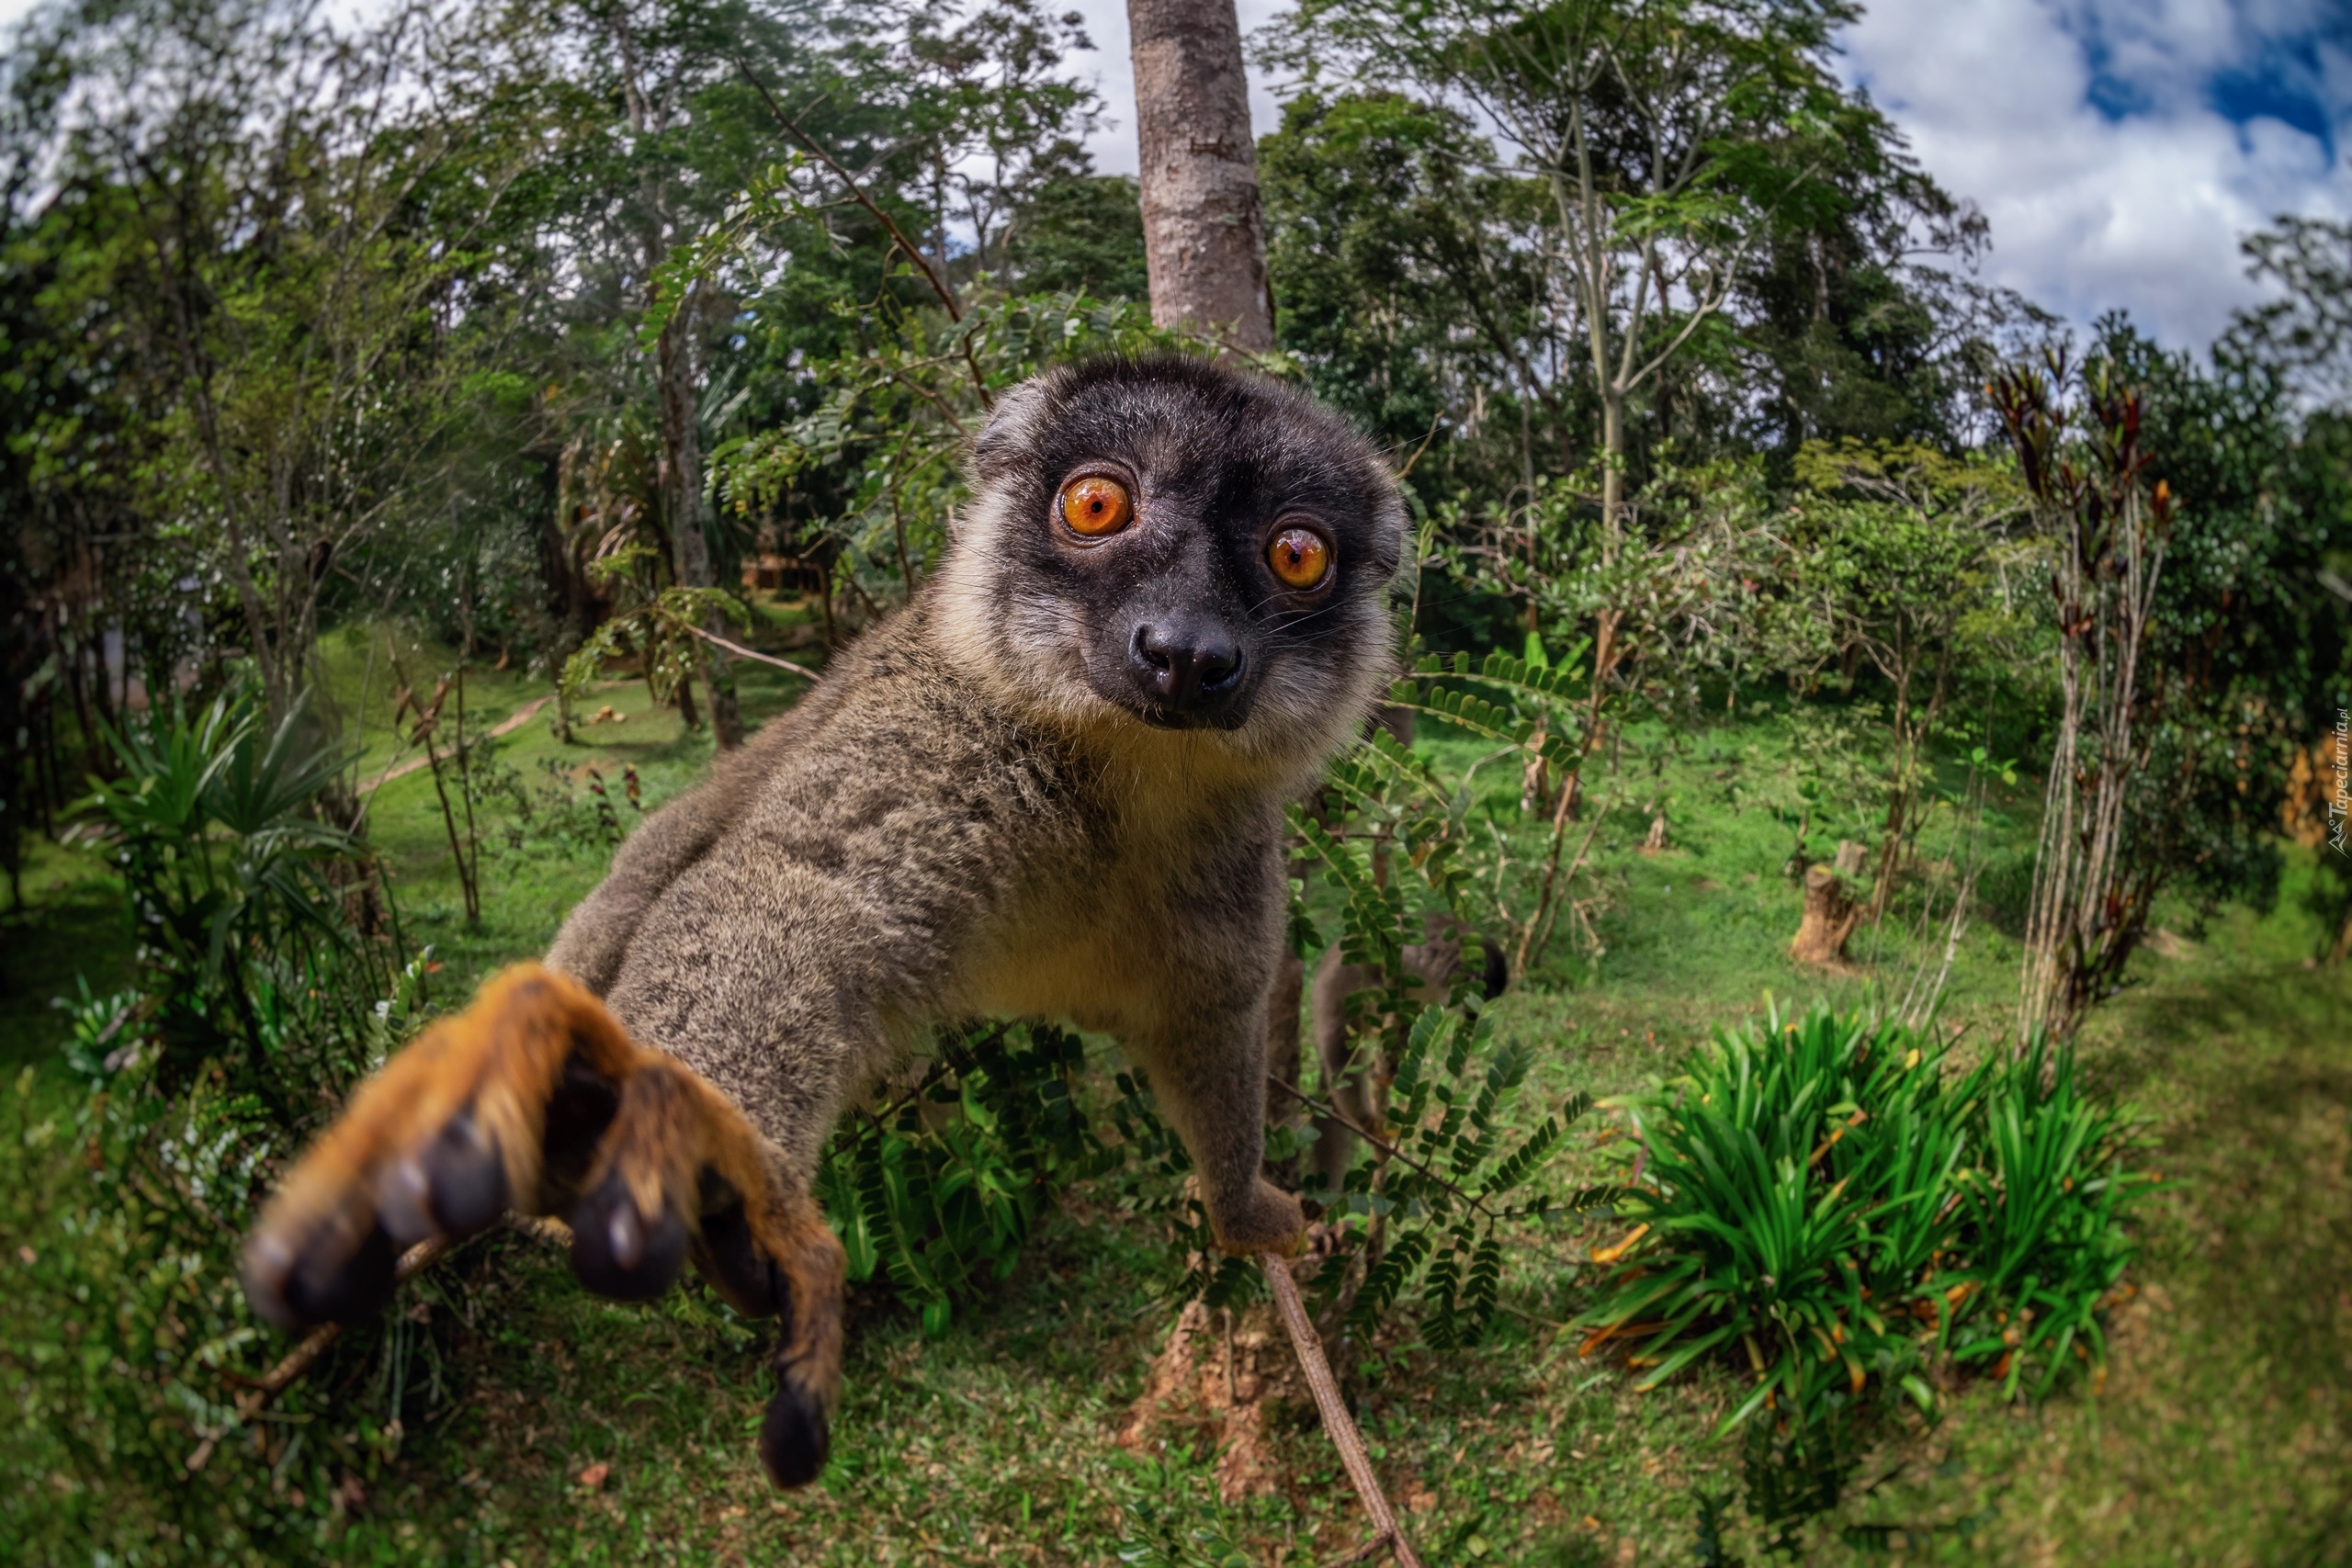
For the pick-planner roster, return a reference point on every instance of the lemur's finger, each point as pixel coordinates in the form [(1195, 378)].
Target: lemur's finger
[(809, 1263), (681, 1172), (637, 1208), (726, 1255), (442, 1141), (788, 1264), (535, 1097), (793, 1270), (454, 1186)]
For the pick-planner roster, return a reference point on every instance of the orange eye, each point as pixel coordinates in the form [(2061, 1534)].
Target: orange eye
[(1300, 557), (1095, 506)]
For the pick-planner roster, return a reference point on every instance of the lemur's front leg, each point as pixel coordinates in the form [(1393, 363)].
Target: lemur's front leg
[(1207, 1066), (536, 1099)]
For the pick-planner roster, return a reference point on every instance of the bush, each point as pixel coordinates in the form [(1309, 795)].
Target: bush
[(1452, 1177), (936, 1192), (127, 1339), (264, 990), (1822, 1202), (255, 920)]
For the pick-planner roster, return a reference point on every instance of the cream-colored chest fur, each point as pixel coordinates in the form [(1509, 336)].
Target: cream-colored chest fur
[(1104, 941), (1085, 953)]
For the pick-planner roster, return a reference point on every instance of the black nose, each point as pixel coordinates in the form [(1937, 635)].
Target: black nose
[(1185, 666)]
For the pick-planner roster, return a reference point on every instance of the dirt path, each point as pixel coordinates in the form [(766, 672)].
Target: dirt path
[(512, 722)]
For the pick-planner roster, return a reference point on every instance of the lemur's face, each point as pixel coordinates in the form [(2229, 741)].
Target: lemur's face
[(1174, 545)]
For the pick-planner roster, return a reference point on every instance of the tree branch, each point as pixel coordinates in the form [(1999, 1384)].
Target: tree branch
[(857, 192), (1322, 1108), (740, 651), (1336, 1420), (300, 1359)]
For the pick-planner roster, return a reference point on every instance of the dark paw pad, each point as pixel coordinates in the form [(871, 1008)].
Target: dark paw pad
[(793, 1438), (468, 1177), (334, 1278), (620, 1253)]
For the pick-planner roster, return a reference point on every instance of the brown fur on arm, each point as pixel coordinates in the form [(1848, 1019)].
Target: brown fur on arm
[(596, 934)]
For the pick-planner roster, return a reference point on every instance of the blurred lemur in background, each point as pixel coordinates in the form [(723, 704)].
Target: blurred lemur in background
[(1433, 967), (1050, 786)]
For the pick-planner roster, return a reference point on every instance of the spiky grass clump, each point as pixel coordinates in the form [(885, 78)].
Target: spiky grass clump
[(1822, 1201)]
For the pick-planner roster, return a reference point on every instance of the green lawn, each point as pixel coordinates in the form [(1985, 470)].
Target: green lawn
[(2218, 1434)]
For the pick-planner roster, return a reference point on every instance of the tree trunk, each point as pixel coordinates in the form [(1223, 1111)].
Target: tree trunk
[(1613, 477), (681, 501), (1204, 237)]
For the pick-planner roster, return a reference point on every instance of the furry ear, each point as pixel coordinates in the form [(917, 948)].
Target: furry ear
[(1013, 427)]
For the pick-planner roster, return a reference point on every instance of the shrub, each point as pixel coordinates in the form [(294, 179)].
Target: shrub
[(126, 1338), (936, 1192), (241, 900), (1452, 1176), (263, 991), (1823, 1202)]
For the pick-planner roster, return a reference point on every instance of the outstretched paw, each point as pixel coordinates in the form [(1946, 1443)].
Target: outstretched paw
[(440, 1143), (536, 1099)]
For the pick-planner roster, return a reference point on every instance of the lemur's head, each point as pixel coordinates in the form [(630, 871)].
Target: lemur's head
[(1169, 544)]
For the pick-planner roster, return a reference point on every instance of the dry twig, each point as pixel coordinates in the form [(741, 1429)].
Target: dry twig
[(740, 651), (1388, 1534), (280, 1378)]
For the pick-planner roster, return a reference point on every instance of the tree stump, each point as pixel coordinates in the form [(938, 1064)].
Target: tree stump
[(1830, 916), (1851, 858), (1230, 1378), (1656, 842)]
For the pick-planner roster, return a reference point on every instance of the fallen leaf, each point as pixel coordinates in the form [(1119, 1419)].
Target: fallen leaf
[(594, 1476)]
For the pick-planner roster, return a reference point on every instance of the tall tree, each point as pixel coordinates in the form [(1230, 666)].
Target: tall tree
[(1412, 289), (236, 220), (668, 62), (1204, 232), (1673, 140), (2304, 335)]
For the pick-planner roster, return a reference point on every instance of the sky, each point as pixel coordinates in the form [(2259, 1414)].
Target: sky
[(2119, 148)]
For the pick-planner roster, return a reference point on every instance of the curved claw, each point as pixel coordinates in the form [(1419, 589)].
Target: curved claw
[(620, 1251)]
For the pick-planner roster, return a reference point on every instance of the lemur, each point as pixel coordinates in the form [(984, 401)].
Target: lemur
[(1434, 968), (1051, 785)]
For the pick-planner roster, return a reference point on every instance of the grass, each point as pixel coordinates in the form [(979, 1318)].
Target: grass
[(2217, 1435)]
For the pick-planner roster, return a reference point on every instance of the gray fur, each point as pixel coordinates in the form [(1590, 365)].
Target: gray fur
[(969, 816)]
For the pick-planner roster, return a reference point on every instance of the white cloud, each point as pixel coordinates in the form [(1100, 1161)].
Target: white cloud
[(2090, 212)]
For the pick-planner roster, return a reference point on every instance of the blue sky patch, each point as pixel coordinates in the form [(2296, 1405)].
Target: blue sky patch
[(2275, 68)]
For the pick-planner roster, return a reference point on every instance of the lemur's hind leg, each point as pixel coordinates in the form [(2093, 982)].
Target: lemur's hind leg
[(536, 1099)]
